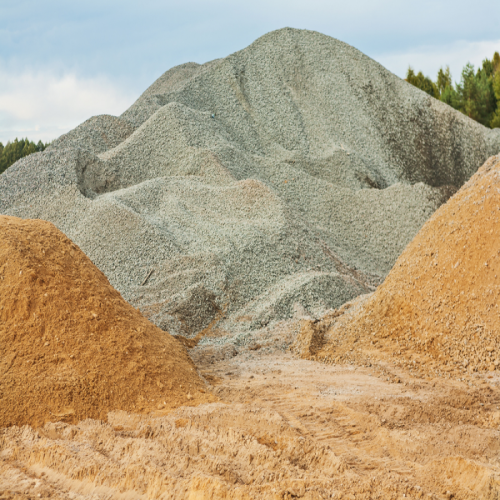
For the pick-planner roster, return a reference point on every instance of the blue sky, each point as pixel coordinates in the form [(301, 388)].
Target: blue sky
[(62, 62)]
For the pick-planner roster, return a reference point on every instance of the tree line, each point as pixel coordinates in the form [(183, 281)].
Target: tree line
[(17, 149), (477, 95)]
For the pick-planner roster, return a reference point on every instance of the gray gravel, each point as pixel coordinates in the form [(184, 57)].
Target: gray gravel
[(97, 134), (292, 172)]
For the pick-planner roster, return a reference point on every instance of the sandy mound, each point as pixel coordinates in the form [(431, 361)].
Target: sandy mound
[(438, 308), (70, 346), (293, 171)]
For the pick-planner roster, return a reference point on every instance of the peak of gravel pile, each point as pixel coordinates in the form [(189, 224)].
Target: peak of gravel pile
[(292, 172), (438, 309), (70, 346)]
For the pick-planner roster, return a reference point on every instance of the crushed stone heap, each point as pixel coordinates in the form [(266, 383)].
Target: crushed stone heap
[(438, 309), (293, 171), (70, 346)]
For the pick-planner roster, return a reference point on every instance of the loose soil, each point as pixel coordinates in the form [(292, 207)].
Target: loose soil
[(392, 412), (438, 310), (285, 429), (70, 346)]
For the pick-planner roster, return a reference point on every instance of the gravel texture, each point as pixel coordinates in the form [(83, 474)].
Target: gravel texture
[(97, 134), (437, 310), (292, 172)]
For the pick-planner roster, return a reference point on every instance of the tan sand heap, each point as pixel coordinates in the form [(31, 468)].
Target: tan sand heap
[(439, 309), (70, 346)]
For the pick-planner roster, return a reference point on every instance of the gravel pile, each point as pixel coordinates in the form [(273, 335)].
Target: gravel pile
[(292, 172), (97, 134)]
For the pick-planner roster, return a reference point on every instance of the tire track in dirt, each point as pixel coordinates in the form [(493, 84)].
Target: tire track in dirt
[(370, 422), (285, 429)]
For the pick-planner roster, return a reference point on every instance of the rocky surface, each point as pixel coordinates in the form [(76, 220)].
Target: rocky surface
[(292, 172), (437, 310), (97, 134)]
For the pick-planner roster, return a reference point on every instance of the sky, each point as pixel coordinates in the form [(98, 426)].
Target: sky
[(62, 62)]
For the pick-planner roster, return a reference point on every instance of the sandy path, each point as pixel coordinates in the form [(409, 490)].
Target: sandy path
[(285, 428), (371, 422)]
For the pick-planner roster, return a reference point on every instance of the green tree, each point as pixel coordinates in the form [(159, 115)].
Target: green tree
[(450, 97), (487, 67), (443, 80), (17, 149), (29, 148), (495, 121), (496, 62), (422, 82), (490, 99), (476, 97)]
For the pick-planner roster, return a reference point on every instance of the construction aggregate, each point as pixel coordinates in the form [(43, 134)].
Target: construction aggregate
[(293, 172)]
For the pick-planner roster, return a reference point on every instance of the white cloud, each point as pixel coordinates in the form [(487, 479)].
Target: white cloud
[(429, 59), (44, 105)]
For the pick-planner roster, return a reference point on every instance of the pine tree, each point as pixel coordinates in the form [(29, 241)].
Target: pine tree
[(477, 95), (443, 80), (450, 97), (422, 82), (16, 150), (476, 98), (29, 148), (496, 62), (495, 121)]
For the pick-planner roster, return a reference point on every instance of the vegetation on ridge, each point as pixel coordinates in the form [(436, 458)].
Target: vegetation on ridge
[(17, 149), (477, 95)]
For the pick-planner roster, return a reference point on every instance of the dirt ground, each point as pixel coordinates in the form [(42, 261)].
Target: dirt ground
[(71, 347), (284, 428)]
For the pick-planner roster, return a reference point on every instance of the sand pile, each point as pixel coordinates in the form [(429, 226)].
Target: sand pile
[(70, 346), (438, 310), (293, 171)]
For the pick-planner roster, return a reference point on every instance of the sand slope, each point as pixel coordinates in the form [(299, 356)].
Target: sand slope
[(70, 346), (437, 311), (287, 429)]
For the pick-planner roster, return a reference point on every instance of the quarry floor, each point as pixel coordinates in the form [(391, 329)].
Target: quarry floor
[(284, 428)]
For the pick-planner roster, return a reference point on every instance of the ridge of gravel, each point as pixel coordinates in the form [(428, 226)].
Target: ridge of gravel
[(97, 134), (292, 172)]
